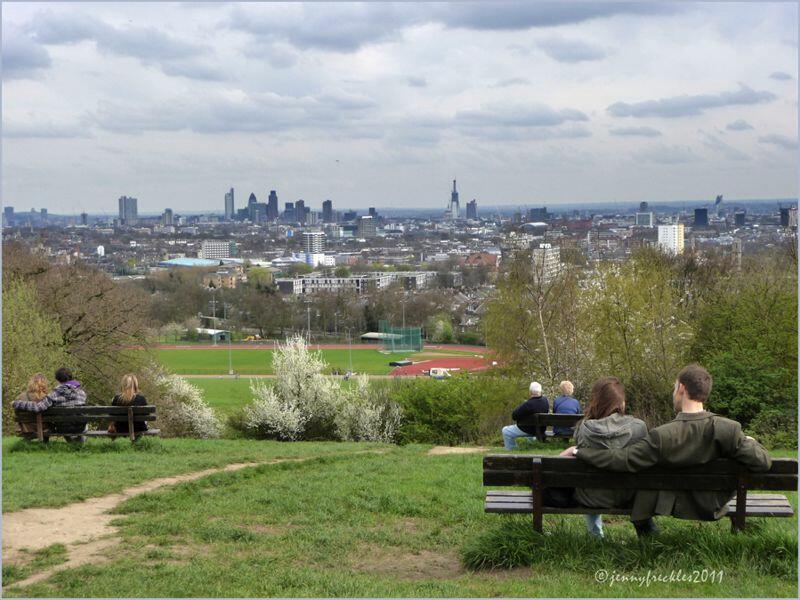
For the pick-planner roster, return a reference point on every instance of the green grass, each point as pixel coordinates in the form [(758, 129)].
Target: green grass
[(259, 361), (397, 524), (226, 396)]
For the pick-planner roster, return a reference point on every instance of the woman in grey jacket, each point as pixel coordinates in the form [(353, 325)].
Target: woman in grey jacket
[(607, 426)]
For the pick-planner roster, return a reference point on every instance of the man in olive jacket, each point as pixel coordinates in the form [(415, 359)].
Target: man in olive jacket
[(694, 437)]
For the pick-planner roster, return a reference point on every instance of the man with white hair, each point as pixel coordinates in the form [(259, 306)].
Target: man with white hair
[(535, 404)]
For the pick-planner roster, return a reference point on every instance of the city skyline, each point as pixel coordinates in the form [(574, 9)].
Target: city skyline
[(521, 103)]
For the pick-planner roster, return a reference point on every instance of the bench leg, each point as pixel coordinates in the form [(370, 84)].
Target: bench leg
[(737, 521), (536, 492)]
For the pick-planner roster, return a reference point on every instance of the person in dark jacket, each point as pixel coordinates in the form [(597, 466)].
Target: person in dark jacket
[(535, 404), (68, 393), (565, 404), (129, 396)]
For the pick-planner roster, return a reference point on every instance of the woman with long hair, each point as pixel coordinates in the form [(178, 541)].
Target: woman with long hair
[(605, 425), (38, 387), (129, 396)]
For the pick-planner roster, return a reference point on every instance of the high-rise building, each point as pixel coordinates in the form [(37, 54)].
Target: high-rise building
[(349, 215), (644, 219), (670, 238), (300, 211), (327, 211), (288, 212), (167, 219), (701, 217), (8, 216), (453, 209), (272, 206), (373, 212), (215, 249), (128, 210), (546, 262), (230, 207), (643, 207), (472, 210), (789, 217), (84, 219), (313, 242), (43, 215), (366, 227), (738, 218), (537, 215), (251, 207)]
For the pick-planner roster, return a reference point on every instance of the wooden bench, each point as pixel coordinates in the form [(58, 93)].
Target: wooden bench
[(545, 420), (80, 415), (540, 472)]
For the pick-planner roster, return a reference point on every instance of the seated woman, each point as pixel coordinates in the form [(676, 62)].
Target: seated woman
[(129, 396), (607, 426), (38, 386)]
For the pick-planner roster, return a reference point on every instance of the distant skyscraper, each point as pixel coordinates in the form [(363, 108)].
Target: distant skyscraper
[(453, 209), (43, 215), (251, 207), (537, 215), (784, 217), (472, 210), (230, 207), (738, 218), (366, 227), (84, 219), (670, 238), (288, 212), (372, 212), (167, 220), (8, 216), (300, 211), (701, 217), (327, 211), (272, 206), (349, 215), (128, 210), (643, 207), (644, 219)]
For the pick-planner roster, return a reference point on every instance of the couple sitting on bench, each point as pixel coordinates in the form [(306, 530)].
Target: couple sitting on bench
[(609, 439), (68, 393), (565, 404)]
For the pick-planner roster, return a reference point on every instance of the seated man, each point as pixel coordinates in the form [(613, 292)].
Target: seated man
[(67, 393), (694, 437), (565, 404), (535, 404)]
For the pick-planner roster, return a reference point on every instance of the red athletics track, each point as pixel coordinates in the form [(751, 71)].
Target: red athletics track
[(465, 363), (269, 346)]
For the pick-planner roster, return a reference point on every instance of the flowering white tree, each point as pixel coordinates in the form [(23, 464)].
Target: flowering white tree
[(184, 412), (270, 416), (362, 418)]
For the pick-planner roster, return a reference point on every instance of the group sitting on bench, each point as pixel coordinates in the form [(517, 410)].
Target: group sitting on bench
[(534, 407), (69, 394), (609, 439)]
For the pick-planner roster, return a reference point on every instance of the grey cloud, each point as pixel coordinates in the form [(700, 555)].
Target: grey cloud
[(148, 44), (571, 51), (726, 150), (44, 129), (649, 132), (667, 155), (419, 82), (685, 106), (535, 115), (738, 125), (510, 134), (511, 81), (780, 76), (781, 141), (22, 57), (278, 55)]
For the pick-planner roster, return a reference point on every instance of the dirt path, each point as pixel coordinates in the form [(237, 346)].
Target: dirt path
[(442, 450), (84, 527)]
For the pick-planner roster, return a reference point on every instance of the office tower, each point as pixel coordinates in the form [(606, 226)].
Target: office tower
[(701, 217), (644, 219), (288, 212), (251, 207), (738, 218), (784, 217), (215, 249), (472, 210), (670, 238), (643, 207), (300, 211), (349, 215), (8, 216), (366, 227), (167, 220), (84, 219), (453, 208), (272, 206), (372, 212), (327, 211), (128, 210), (537, 214), (43, 215), (230, 207), (313, 242), (260, 212)]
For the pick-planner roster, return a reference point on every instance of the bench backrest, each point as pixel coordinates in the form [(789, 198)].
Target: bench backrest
[(88, 413), (561, 471), (556, 420)]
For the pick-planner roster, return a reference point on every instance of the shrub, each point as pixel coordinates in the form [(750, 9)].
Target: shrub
[(182, 410), (367, 415), (272, 417)]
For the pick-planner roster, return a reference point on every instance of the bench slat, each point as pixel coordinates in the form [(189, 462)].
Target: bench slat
[(96, 434), (48, 418)]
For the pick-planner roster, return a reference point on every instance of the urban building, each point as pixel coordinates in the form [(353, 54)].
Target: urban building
[(327, 212), (314, 283), (8, 216), (214, 249), (670, 238), (230, 207), (289, 213), (251, 207), (84, 219), (472, 210), (701, 217), (644, 219), (546, 262), (313, 242), (537, 215), (453, 208), (738, 218), (643, 206), (349, 215), (366, 227), (272, 206), (43, 215), (167, 219), (128, 210), (224, 278)]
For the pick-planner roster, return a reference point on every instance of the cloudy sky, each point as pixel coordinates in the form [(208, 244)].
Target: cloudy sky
[(384, 104)]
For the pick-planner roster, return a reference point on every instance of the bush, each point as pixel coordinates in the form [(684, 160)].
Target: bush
[(182, 410), (465, 408), (271, 417), (367, 415)]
